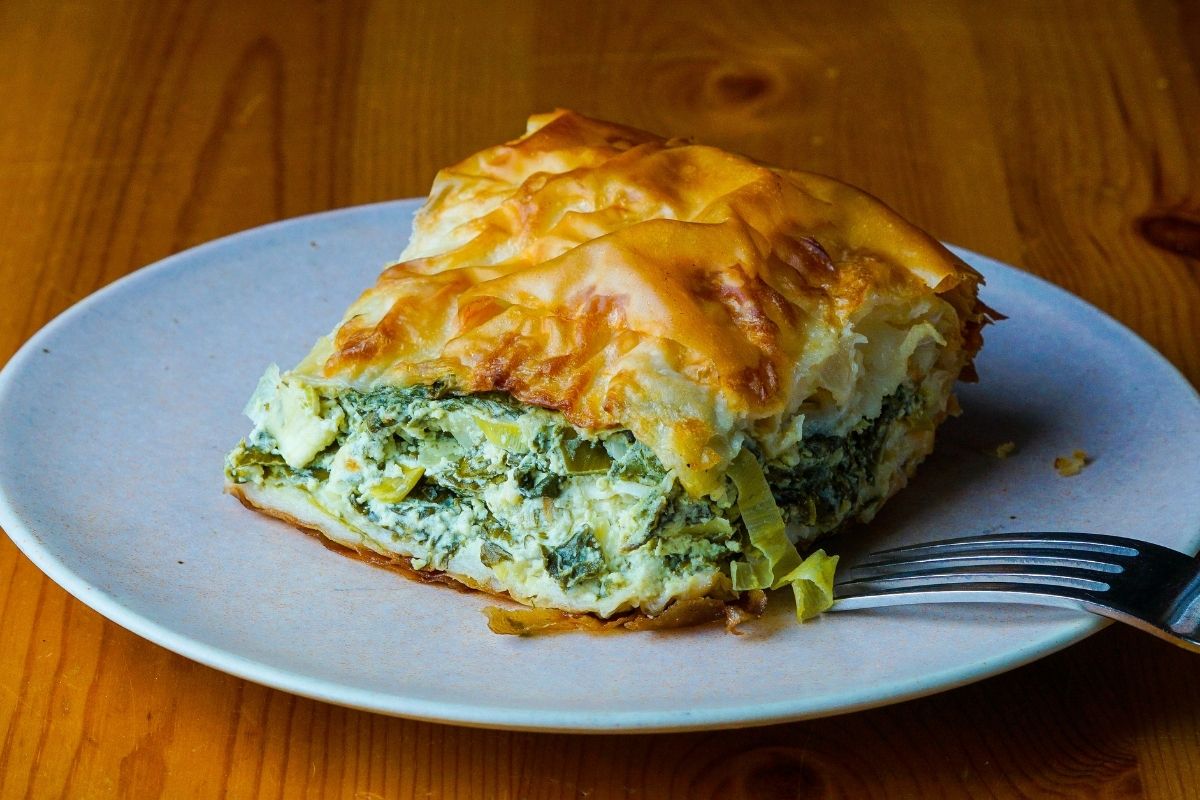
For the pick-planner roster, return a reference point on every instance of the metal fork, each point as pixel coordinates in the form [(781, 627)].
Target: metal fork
[(1140, 583)]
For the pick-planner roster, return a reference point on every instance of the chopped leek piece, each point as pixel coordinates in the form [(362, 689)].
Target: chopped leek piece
[(774, 556), (506, 435), (581, 457), (393, 490), (749, 574), (709, 529), (812, 583)]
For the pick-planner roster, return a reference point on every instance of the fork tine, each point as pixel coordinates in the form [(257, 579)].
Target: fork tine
[(1154, 588), (917, 575), (1078, 542), (871, 595), (999, 556)]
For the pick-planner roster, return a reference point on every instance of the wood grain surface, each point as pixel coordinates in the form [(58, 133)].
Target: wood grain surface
[(1062, 137)]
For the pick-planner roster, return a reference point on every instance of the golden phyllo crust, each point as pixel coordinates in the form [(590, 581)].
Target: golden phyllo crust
[(685, 293)]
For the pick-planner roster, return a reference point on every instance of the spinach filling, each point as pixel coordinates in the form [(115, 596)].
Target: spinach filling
[(826, 485), (577, 559), (824, 482)]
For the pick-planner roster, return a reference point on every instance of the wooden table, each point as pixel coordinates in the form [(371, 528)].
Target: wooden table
[(1062, 138)]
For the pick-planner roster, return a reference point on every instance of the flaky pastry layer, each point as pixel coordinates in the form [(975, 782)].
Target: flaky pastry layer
[(686, 293)]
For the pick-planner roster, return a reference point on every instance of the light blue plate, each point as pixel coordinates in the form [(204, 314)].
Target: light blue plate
[(115, 418)]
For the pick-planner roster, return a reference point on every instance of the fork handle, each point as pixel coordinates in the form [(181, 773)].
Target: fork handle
[(1184, 616)]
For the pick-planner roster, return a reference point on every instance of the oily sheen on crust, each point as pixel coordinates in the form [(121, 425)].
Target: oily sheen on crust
[(630, 281)]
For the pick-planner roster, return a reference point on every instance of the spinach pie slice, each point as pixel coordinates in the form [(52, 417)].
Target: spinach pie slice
[(614, 374)]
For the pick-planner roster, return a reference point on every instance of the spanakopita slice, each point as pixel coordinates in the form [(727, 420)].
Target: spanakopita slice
[(613, 374)]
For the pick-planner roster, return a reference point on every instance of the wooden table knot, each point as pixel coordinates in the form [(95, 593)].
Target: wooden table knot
[(774, 771), (740, 85), (1172, 233)]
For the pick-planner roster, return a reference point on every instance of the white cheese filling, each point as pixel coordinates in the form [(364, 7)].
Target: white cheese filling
[(512, 498)]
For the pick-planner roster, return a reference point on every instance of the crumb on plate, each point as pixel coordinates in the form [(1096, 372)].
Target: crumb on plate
[(1073, 464)]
